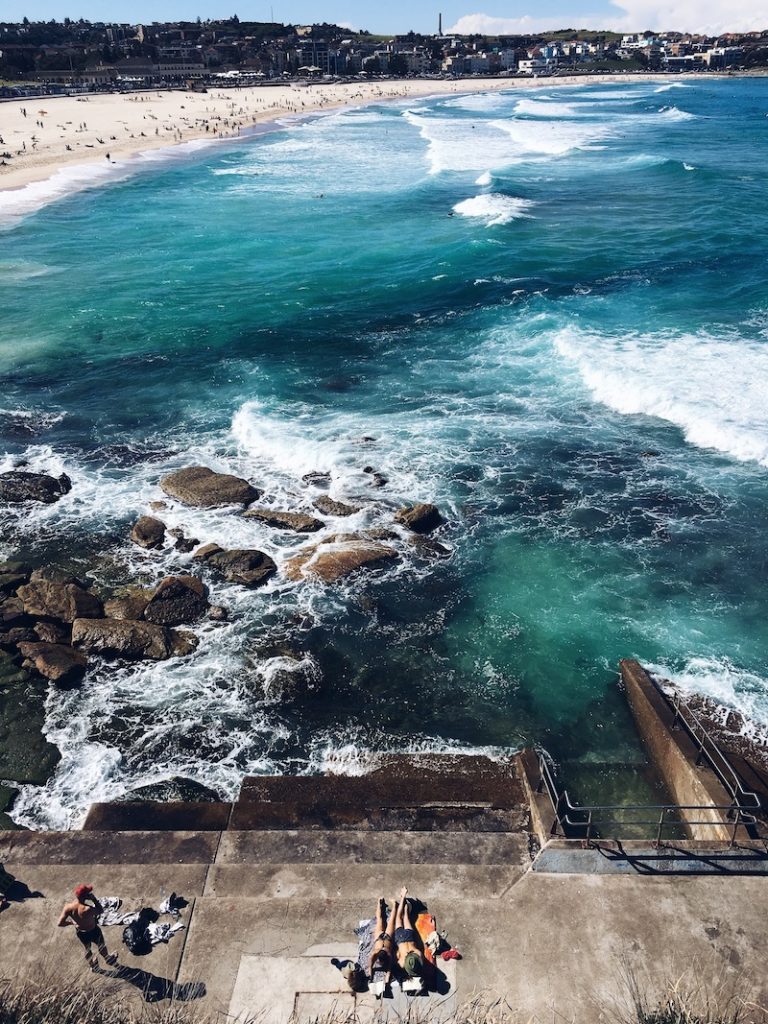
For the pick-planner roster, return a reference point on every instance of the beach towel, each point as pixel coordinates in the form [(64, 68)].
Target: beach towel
[(365, 939), (427, 929), (111, 913)]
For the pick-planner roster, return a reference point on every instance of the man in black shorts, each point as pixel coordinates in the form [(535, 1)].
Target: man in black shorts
[(409, 954), (83, 912)]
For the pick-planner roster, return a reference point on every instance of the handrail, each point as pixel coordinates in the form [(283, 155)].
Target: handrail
[(598, 815)]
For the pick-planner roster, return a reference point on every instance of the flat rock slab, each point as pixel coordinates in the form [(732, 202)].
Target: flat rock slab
[(200, 486), (296, 522)]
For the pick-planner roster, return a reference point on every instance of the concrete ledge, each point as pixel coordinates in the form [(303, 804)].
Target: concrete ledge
[(153, 816), (674, 755), (108, 847)]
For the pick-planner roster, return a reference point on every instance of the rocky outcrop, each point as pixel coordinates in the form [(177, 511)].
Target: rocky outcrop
[(297, 522), (329, 507), (61, 664), (124, 638), (246, 566), (53, 632), (131, 607), (316, 479), (63, 602), (200, 486), (176, 600), (148, 532), (419, 518), (25, 754), (204, 553), (17, 486), (339, 557)]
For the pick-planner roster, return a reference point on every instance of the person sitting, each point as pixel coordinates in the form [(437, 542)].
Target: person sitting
[(409, 954), (382, 953)]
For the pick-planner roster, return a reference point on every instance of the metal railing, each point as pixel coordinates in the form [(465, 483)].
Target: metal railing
[(591, 821)]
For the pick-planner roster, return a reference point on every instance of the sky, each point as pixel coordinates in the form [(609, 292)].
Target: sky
[(487, 16)]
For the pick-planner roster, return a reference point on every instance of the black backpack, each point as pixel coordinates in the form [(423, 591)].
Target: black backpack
[(135, 934)]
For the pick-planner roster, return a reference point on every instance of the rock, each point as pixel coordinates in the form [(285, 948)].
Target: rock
[(52, 633), (287, 679), (158, 506), (334, 508), (148, 532), (426, 547), (11, 581), (183, 642), (204, 553), (12, 613), (176, 531), (62, 665), (320, 480), (12, 566), (55, 574), (176, 600), (218, 613), (198, 485), (246, 566), (381, 533), (63, 602), (25, 755), (377, 479), (125, 607), (298, 522), (175, 788), (334, 560), (11, 638), (123, 638), (419, 518), (18, 486), (186, 544)]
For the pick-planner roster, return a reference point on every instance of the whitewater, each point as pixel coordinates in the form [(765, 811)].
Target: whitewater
[(546, 314)]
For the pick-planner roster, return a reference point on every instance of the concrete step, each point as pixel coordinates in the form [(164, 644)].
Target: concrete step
[(363, 882), (152, 816), (108, 847), (361, 847)]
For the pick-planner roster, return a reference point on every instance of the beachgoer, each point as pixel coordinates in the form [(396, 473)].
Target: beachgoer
[(382, 953), (83, 912), (409, 955)]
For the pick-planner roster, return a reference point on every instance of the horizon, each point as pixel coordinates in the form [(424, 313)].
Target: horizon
[(712, 17)]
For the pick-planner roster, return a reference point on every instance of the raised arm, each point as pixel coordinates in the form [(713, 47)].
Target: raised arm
[(64, 920)]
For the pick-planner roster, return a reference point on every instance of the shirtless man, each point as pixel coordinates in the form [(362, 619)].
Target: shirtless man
[(409, 954), (382, 953), (83, 913)]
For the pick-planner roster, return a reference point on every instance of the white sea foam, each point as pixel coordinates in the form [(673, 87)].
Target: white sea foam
[(688, 167), (494, 208), (555, 139), (672, 85), (675, 114), (485, 179), (727, 685), (546, 107), (713, 388)]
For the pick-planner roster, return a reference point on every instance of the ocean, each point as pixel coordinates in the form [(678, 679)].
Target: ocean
[(546, 312)]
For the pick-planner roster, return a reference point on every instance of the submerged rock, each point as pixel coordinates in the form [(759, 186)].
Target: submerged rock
[(298, 522), (148, 532), (175, 788), (339, 557), (246, 566), (25, 755), (419, 518), (18, 486), (334, 508), (200, 486), (315, 479), (123, 638), (204, 553), (63, 602), (61, 664), (176, 600)]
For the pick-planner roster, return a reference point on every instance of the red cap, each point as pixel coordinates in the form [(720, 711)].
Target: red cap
[(83, 890)]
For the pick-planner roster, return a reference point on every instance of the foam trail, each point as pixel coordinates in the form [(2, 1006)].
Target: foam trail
[(494, 208), (726, 684), (712, 388)]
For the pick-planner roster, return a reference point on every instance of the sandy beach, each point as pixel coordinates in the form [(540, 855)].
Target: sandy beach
[(58, 133)]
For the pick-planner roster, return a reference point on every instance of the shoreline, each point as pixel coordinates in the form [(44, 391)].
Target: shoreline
[(164, 122)]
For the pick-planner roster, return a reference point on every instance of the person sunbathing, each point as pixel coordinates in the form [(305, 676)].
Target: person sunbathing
[(382, 953), (409, 954)]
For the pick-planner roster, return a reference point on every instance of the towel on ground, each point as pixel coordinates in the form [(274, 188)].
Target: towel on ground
[(365, 941), (111, 913)]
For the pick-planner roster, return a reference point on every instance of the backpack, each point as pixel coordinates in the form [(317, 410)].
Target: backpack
[(135, 934)]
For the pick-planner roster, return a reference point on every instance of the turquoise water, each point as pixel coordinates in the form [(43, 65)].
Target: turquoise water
[(546, 311)]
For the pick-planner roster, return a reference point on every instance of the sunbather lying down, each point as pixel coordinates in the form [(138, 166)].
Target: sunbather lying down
[(382, 953), (409, 955)]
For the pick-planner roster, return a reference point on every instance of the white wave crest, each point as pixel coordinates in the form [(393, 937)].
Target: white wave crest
[(726, 684), (554, 139), (494, 208), (675, 114), (712, 388), (672, 85), (485, 179), (545, 107)]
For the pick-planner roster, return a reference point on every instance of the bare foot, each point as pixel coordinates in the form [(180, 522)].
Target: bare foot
[(403, 894)]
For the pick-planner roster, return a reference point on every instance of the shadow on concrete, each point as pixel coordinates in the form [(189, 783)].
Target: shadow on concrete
[(675, 860), (14, 891), (154, 988)]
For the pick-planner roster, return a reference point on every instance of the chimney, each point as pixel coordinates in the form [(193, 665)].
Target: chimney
[(440, 24)]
